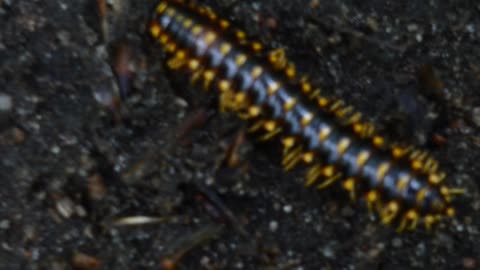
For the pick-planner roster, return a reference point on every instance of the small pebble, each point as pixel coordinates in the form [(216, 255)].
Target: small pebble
[(470, 28), (328, 252), (12, 136), (469, 263), (96, 187), (273, 225), (397, 242), (205, 261), (287, 208), (65, 207), (420, 249), (476, 116), (412, 27), (83, 261), (419, 37), (4, 224), (374, 253), (6, 102), (64, 38), (314, 4), (55, 149), (80, 211), (372, 23)]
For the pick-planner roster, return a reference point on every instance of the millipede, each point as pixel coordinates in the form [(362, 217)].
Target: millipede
[(401, 183)]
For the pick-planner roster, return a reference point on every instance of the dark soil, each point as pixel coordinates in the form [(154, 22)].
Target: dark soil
[(76, 165)]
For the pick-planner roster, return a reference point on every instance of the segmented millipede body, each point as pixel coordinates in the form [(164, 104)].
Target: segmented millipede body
[(401, 183)]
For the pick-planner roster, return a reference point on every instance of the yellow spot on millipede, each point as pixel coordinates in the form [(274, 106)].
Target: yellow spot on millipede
[(170, 12), (224, 24), (358, 128), (196, 30), (209, 38), (257, 46), (180, 55), (397, 152), (288, 142), (328, 171), (254, 111), (306, 119), (450, 212), (343, 145), (225, 48), (308, 157), (403, 182), (161, 8), (417, 165), (362, 158), (434, 179), (306, 87), (240, 59), (240, 98), (256, 72), (240, 35), (324, 133), (322, 102), (273, 88), (270, 125), (290, 71), (421, 194), (382, 170), (187, 23), (372, 196), (378, 141), (224, 86), (163, 39), (171, 47), (155, 30), (179, 18), (289, 104), (193, 64)]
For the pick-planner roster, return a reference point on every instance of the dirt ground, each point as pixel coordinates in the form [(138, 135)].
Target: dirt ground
[(89, 182)]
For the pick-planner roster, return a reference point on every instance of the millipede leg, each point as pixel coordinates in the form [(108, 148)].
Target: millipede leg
[(270, 134), (278, 58), (178, 60), (175, 63), (291, 158), (196, 75), (349, 186), (256, 126), (429, 220), (409, 221), (329, 181), (372, 201), (313, 174), (250, 113), (227, 101), (208, 77), (389, 212)]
